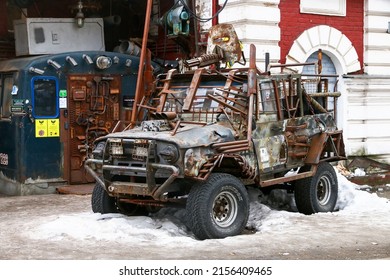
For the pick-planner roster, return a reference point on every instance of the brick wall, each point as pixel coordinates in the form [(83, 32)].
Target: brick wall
[(293, 23)]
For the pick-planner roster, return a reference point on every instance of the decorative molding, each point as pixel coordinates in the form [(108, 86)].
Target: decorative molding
[(330, 40)]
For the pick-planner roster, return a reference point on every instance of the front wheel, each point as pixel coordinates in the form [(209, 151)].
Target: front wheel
[(102, 202), (218, 207), (317, 193)]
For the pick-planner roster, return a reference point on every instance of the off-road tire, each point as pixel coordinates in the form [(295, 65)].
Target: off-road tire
[(218, 207), (317, 193), (102, 202)]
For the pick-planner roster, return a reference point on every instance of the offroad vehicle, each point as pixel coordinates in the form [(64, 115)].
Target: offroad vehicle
[(209, 135)]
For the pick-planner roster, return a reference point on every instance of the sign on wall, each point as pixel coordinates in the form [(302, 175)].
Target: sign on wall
[(47, 128)]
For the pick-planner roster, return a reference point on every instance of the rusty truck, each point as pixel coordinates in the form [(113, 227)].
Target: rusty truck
[(207, 135)]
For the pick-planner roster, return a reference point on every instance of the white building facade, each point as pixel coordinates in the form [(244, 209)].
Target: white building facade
[(364, 108)]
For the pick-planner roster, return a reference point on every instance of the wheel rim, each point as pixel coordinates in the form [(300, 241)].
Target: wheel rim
[(323, 190), (225, 209)]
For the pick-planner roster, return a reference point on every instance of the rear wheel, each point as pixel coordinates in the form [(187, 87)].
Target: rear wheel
[(317, 193), (218, 207)]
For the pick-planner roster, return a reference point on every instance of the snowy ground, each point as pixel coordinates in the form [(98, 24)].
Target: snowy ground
[(64, 227)]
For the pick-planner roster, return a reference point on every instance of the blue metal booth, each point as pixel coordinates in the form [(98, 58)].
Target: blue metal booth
[(52, 107)]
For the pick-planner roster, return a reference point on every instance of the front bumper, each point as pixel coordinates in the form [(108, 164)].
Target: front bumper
[(150, 188)]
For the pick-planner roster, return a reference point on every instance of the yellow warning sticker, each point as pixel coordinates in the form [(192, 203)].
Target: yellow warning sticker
[(47, 128), (40, 128), (53, 128)]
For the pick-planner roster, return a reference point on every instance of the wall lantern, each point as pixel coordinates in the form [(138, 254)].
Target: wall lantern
[(80, 15)]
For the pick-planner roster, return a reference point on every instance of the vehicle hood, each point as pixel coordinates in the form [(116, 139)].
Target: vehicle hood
[(186, 137)]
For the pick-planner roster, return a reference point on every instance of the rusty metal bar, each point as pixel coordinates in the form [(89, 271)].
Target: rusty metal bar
[(252, 88), (226, 104), (286, 179), (325, 94), (147, 107), (290, 65), (296, 127), (91, 171), (231, 151), (176, 128), (297, 154), (164, 92), (226, 144), (372, 179), (228, 84), (237, 145), (140, 85), (287, 94), (315, 104), (300, 97), (321, 75), (277, 100), (192, 90)]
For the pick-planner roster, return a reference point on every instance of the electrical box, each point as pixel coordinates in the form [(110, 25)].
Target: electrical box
[(35, 36)]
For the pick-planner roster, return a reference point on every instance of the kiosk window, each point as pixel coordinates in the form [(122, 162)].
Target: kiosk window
[(45, 97)]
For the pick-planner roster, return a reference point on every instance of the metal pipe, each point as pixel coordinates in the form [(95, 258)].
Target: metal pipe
[(129, 47), (326, 94), (214, 10), (53, 63), (266, 60), (292, 64), (300, 96), (227, 144), (140, 85), (196, 34), (92, 172), (252, 88), (321, 75)]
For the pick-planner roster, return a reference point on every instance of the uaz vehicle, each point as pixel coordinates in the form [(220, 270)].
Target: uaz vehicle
[(209, 135)]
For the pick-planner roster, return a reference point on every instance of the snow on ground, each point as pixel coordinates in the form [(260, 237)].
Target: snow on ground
[(168, 225)]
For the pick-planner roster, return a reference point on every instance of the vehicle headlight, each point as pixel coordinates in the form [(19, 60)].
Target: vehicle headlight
[(98, 150), (169, 153), (116, 147)]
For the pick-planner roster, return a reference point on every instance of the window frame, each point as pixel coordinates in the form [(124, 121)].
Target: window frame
[(57, 109), (329, 8), (4, 96)]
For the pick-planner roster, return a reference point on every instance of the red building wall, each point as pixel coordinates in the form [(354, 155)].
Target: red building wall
[(293, 23)]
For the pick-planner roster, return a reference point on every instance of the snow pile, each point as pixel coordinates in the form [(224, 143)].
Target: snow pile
[(351, 199), (168, 225), (108, 227)]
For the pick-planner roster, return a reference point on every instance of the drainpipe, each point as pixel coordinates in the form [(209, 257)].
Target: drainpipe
[(139, 87)]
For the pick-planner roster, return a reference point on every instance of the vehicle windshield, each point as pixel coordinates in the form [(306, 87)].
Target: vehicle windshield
[(204, 98)]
